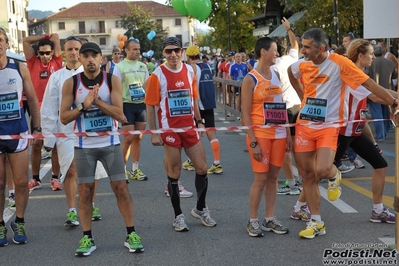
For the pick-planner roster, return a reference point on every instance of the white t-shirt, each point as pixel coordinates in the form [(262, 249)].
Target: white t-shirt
[(290, 96)]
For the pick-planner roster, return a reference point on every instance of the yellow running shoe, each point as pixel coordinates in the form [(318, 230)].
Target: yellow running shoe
[(313, 228), (334, 189), (188, 165)]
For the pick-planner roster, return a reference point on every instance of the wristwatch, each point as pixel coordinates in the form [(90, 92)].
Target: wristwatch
[(395, 103), (38, 129), (201, 121), (253, 144), (81, 107)]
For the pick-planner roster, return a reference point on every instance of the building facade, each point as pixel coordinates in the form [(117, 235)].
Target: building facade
[(100, 22), (13, 18)]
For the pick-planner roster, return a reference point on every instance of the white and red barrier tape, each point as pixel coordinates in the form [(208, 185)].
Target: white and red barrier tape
[(176, 130)]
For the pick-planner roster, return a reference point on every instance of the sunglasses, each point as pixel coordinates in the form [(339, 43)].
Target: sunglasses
[(72, 38), (352, 35), (44, 53), (134, 39), (169, 51)]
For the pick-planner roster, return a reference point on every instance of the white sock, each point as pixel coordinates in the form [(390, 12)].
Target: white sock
[(72, 210), (291, 182), (135, 166), (253, 220), (317, 218), (11, 192), (298, 205), (336, 175), (269, 218), (216, 162), (378, 208)]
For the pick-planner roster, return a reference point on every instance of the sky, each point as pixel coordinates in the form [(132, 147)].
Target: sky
[(56, 5)]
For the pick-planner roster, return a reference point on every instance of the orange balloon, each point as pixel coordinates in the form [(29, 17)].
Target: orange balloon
[(121, 44), (124, 38), (119, 37)]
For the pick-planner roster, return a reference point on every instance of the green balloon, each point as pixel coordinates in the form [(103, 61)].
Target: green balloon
[(179, 6), (194, 7), (206, 11)]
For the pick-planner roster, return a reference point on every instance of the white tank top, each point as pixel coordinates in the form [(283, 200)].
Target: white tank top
[(94, 120)]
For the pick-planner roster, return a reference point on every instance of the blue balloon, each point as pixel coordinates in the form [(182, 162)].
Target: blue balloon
[(145, 54), (150, 52), (151, 35)]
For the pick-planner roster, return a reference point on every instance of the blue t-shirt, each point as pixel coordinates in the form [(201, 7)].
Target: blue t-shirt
[(238, 71)]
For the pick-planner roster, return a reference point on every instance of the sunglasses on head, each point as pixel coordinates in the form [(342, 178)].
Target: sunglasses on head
[(72, 38), (134, 39), (169, 51), (44, 53), (351, 34)]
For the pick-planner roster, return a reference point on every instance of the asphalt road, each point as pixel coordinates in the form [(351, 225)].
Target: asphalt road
[(347, 221)]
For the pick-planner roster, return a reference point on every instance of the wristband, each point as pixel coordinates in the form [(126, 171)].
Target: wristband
[(46, 37), (290, 29)]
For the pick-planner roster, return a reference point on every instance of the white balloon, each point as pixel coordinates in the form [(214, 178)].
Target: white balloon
[(219, 50), (213, 50), (201, 49)]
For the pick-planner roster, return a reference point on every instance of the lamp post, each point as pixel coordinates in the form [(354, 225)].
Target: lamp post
[(16, 24), (228, 24)]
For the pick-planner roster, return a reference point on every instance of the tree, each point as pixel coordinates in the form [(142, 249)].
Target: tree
[(242, 38), (138, 24), (319, 13), (206, 40)]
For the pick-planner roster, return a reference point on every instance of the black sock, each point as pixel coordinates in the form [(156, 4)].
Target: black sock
[(173, 187), (54, 176), (87, 233), (130, 229), (201, 185), (19, 220), (3, 223), (36, 177)]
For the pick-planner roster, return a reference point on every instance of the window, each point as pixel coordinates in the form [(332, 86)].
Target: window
[(61, 25), (101, 27), (178, 22), (103, 41), (118, 23), (180, 37), (160, 22), (82, 27)]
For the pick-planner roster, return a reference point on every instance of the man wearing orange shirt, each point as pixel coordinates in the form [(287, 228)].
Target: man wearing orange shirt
[(319, 80)]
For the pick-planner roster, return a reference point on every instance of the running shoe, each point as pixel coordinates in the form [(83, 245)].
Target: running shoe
[(188, 165), (133, 243), (275, 226), (56, 184), (19, 230), (346, 168), (72, 219), (285, 189), (384, 217), (253, 228), (11, 202), (215, 169), (204, 216), (302, 214), (86, 247), (136, 175), (357, 163), (334, 189), (96, 216), (46, 154), (180, 223), (183, 192), (34, 184), (313, 228), (3, 236)]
